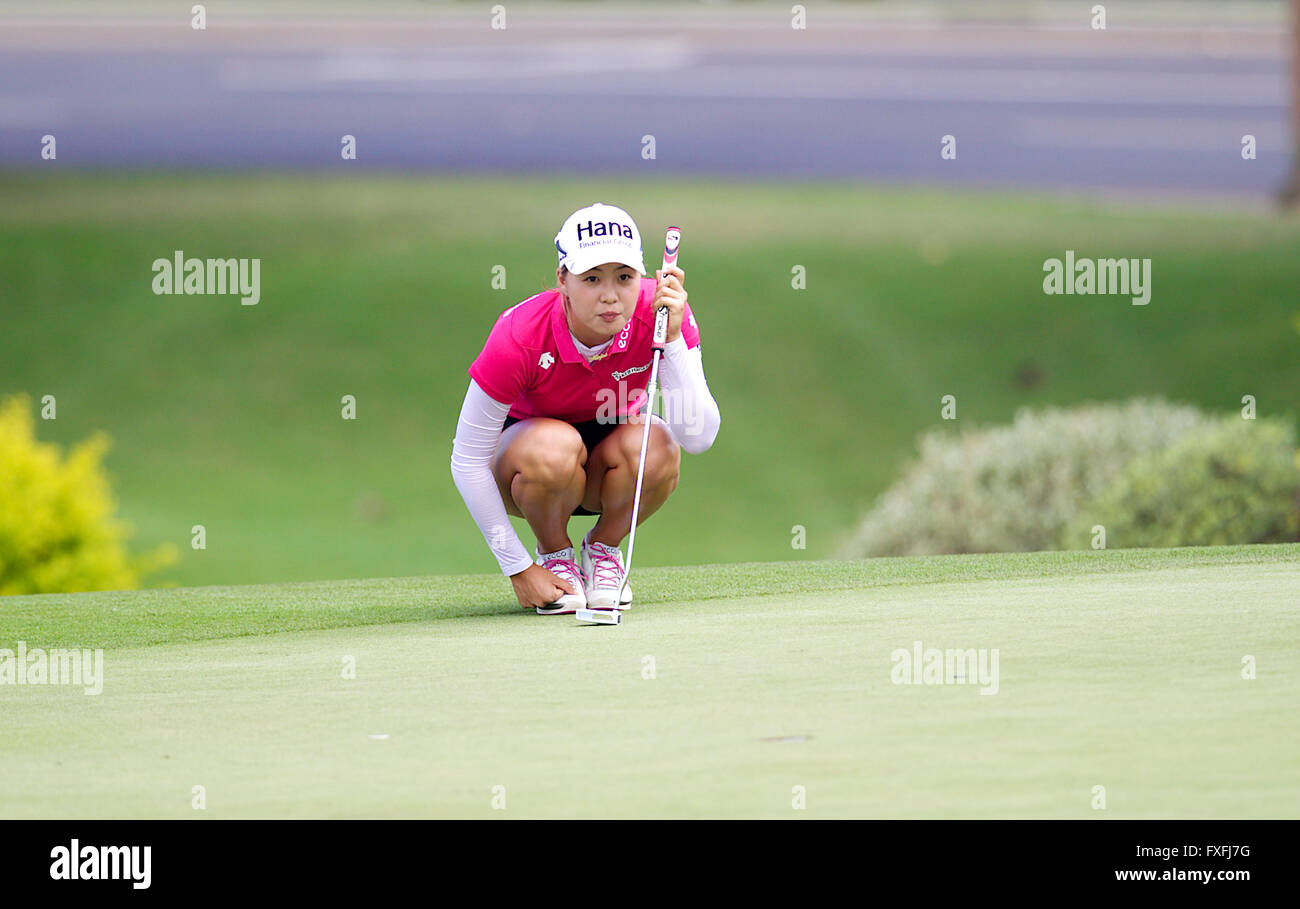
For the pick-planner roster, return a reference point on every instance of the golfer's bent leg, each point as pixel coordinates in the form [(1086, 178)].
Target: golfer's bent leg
[(618, 488), (547, 488)]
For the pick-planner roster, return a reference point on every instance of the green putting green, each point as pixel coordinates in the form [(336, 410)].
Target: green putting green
[(729, 691)]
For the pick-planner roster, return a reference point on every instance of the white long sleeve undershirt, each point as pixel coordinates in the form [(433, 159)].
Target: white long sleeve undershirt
[(692, 418), (688, 405), (477, 434)]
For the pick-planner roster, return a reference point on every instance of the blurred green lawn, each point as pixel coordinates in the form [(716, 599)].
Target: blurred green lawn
[(380, 287)]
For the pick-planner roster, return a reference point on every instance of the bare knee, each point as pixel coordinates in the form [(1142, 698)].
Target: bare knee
[(668, 459), (553, 454), (663, 455)]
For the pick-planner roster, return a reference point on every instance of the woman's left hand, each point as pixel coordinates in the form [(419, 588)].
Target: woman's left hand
[(670, 292)]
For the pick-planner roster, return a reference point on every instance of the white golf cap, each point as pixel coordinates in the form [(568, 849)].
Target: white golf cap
[(598, 234)]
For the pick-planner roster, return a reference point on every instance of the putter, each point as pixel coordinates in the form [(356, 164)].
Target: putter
[(672, 240)]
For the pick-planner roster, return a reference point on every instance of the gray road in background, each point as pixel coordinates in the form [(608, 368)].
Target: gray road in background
[(1060, 107)]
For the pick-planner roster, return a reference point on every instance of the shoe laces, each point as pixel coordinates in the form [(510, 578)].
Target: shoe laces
[(565, 568), (606, 564)]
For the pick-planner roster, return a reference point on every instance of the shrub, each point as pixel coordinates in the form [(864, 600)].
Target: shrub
[(1018, 487), (1239, 483), (57, 532)]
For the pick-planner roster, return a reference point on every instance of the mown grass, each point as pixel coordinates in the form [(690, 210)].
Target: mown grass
[(1168, 678), (148, 617)]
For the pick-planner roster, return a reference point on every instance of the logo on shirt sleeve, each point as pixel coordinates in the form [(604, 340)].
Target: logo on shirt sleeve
[(545, 360)]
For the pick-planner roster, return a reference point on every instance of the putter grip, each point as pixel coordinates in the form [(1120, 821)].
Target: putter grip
[(661, 328), (672, 242)]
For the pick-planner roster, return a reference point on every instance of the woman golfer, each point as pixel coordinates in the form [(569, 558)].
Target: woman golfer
[(564, 374)]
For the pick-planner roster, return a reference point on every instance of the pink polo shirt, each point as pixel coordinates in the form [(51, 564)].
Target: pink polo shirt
[(530, 363)]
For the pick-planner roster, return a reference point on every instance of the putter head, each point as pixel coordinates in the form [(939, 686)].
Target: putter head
[(597, 616)]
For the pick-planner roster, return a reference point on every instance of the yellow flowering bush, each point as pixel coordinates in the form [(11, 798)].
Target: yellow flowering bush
[(58, 533)]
